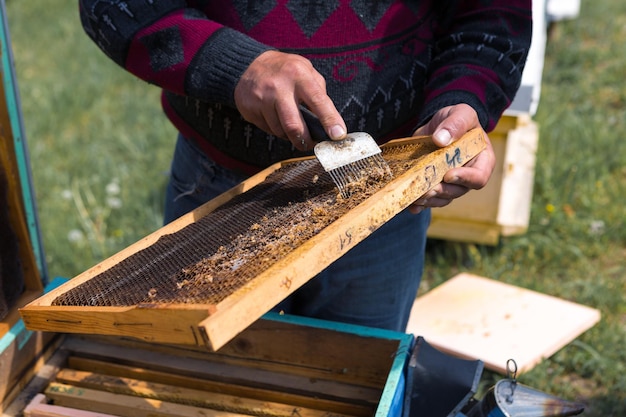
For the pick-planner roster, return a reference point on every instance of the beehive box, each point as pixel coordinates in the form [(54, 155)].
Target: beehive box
[(279, 366), (502, 208)]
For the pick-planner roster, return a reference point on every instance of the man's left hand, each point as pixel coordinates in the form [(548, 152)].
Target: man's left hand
[(446, 126)]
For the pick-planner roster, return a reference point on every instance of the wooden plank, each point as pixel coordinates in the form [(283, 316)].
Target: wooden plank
[(179, 324), (518, 178), (464, 230), (181, 395), (125, 405), (478, 318), (256, 393), (154, 323), (205, 368), (39, 407)]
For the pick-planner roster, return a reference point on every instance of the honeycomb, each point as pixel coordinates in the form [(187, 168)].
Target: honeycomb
[(206, 261)]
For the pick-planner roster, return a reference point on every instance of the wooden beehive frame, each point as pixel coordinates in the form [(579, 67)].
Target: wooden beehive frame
[(213, 325)]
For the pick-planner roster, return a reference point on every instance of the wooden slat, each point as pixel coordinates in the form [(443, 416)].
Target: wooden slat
[(205, 368), (161, 324), (181, 395), (125, 405), (179, 324), (464, 230), (39, 407), (256, 393)]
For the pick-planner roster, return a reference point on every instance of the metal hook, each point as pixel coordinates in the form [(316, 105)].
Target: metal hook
[(511, 369), (511, 373)]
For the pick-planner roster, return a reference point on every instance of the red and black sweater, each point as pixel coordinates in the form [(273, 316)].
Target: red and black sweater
[(389, 65)]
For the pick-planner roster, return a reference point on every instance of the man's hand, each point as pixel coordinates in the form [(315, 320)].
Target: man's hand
[(446, 126), (270, 90)]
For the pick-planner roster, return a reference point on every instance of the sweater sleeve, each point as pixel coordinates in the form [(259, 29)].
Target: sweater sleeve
[(479, 57), (171, 45)]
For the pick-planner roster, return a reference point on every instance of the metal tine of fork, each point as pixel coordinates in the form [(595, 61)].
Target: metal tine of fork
[(355, 171)]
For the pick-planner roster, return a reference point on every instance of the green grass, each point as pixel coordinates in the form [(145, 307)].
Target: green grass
[(100, 150), (90, 125)]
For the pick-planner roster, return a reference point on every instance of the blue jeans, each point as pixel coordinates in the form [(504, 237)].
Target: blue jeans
[(374, 284)]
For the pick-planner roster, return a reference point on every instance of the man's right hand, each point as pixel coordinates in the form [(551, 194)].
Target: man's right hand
[(270, 91)]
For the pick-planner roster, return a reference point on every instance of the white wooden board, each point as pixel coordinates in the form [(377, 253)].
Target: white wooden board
[(479, 318)]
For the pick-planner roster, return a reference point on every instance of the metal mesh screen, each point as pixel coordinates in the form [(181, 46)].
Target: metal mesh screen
[(209, 259)]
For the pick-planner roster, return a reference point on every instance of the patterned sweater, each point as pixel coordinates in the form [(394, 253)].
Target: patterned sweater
[(389, 65)]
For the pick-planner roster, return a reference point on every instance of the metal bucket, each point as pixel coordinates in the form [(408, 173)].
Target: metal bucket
[(508, 398)]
